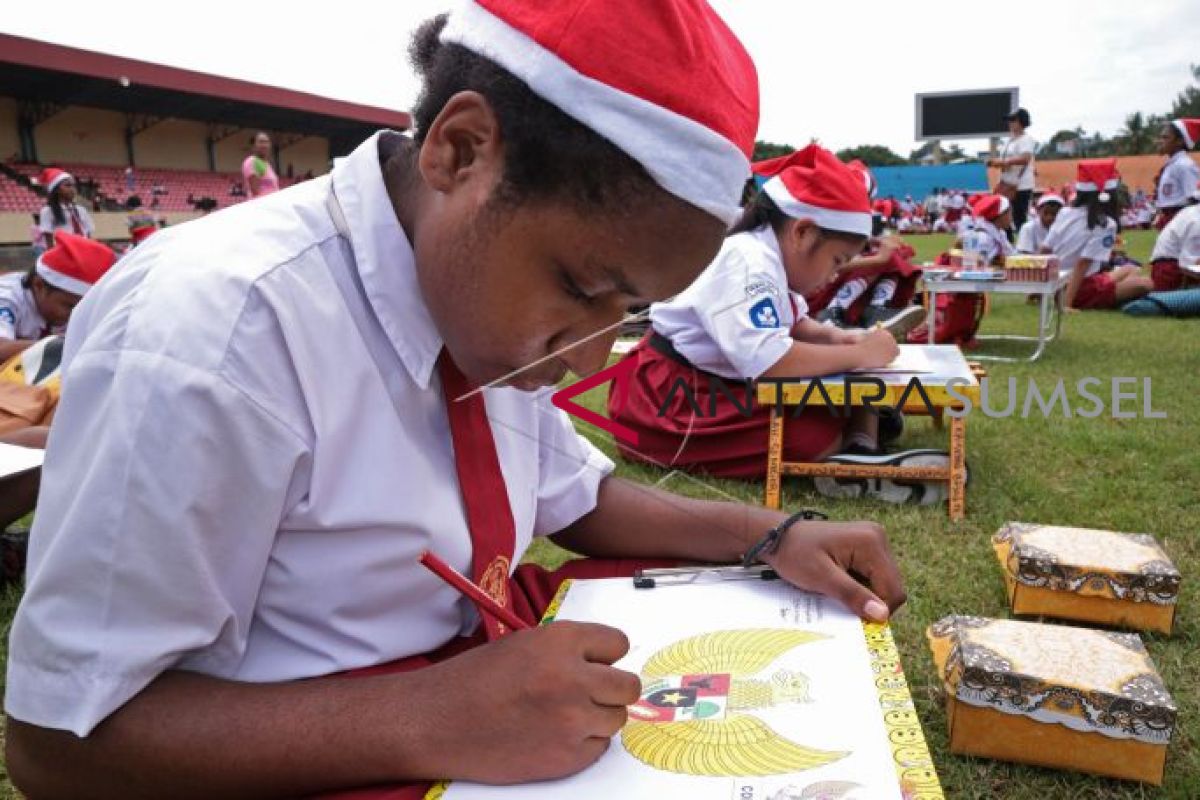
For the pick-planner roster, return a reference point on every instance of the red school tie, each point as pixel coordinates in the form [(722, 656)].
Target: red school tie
[(76, 223), (489, 515)]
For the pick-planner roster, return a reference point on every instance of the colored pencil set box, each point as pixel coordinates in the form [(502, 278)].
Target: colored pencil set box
[(1059, 695), (1030, 268)]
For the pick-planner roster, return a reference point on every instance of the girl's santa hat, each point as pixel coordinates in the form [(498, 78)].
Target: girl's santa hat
[(990, 206), (1189, 129), (813, 184), (52, 177), (1050, 197), (1097, 175), (868, 177), (666, 82), (75, 263)]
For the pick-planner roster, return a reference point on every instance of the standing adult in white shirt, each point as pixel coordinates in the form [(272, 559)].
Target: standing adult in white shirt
[(1017, 164), (268, 414)]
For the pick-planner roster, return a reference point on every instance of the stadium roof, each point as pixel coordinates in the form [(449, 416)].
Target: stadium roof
[(45, 72)]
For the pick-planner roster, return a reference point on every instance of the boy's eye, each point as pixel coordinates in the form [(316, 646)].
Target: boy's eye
[(574, 290)]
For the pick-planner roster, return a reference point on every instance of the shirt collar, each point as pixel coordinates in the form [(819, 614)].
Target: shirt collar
[(385, 261)]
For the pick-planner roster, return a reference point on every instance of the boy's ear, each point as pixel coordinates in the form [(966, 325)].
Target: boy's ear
[(463, 143)]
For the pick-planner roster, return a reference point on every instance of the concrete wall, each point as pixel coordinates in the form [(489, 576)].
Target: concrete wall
[(87, 135), (172, 144), (310, 152), (112, 226), (1138, 172)]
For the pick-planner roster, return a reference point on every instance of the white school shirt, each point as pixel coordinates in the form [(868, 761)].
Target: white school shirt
[(47, 224), (250, 454), (986, 238), (1031, 236), (1070, 239), (736, 319), (1179, 178), (19, 315), (1022, 176), (1181, 238)]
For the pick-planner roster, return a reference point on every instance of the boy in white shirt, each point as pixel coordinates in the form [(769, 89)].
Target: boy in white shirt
[(1033, 233)]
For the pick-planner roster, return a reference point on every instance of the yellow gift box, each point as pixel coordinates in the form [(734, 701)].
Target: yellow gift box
[(1105, 577), (1053, 695), (1023, 267)]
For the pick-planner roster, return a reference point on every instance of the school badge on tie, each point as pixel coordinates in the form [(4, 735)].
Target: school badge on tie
[(697, 714), (494, 581)]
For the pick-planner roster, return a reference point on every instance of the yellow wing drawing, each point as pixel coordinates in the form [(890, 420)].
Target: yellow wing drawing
[(695, 714), (739, 746), (744, 652)]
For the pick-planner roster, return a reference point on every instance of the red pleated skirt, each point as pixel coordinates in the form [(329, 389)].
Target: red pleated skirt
[(704, 429)]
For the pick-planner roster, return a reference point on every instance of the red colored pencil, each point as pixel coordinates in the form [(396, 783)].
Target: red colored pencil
[(478, 596)]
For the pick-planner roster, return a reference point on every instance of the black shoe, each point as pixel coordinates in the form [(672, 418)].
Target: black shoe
[(891, 424), (835, 315), (898, 321)]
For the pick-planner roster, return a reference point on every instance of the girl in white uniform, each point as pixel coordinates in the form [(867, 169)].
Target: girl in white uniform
[(745, 319), (1033, 233), (1180, 175), (269, 413), (1178, 243), (39, 302), (1083, 237), (993, 217), (61, 212)]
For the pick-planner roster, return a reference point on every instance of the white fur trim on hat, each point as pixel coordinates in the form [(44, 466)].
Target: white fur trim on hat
[(1183, 131), (846, 221), (1089, 186), (59, 178), (59, 281), (688, 159)]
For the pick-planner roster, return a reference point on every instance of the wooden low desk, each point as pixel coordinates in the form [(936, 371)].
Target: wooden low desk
[(947, 362)]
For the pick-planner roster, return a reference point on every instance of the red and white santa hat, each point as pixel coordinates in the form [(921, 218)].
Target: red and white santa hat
[(75, 263), (52, 177), (868, 177), (1189, 129), (813, 184), (1097, 174), (1050, 197), (990, 206), (667, 82)]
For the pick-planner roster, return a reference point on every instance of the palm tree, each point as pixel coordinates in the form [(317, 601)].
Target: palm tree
[(1137, 137)]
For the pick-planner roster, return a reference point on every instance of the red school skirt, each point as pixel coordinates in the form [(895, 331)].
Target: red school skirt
[(1097, 291), (532, 589), (704, 430), (1166, 274)]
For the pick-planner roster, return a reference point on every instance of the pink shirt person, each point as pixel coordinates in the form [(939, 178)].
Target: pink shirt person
[(257, 173)]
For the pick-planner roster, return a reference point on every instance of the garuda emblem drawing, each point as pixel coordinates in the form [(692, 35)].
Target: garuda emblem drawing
[(696, 714)]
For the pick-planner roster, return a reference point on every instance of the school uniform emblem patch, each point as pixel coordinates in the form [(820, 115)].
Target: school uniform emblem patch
[(763, 314)]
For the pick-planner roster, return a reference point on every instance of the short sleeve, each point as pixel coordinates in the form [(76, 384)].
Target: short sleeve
[(743, 316), (1100, 244), (1189, 237), (570, 470), (8, 319), (1053, 239), (46, 220), (162, 491), (248, 167)]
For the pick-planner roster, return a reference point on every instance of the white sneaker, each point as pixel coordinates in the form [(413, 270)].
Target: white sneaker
[(888, 490)]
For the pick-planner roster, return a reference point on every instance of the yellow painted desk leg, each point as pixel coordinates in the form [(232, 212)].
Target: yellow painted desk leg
[(958, 467), (775, 457)]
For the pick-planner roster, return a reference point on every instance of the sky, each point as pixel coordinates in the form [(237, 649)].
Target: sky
[(843, 73)]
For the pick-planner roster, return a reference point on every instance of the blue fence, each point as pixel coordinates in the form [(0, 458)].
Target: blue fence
[(920, 181)]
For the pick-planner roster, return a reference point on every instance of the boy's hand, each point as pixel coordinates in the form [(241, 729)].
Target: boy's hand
[(534, 705), (876, 348), (831, 558)]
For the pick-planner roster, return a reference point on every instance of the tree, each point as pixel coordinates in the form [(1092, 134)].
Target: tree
[(1187, 102), (1137, 136), (954, 153), (765, 150), (873, 155)]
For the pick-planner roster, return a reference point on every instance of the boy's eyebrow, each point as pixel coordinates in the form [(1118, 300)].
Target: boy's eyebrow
[(618, 278)]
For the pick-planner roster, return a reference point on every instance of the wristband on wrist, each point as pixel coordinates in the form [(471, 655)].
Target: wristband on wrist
[(770, 543)]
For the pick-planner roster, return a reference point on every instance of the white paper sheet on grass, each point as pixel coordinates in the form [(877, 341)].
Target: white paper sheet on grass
[(15, 460), (845, 713)]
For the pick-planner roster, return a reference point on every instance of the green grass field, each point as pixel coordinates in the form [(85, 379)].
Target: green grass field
[(1133, 475)]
